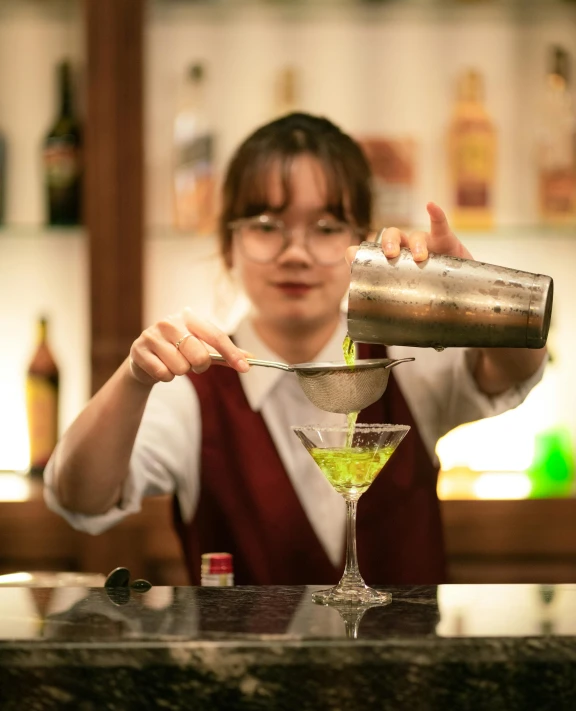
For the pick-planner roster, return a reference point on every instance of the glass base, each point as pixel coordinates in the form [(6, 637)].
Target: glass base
[(357, 595)]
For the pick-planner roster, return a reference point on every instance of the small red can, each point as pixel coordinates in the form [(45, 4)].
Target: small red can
[(216, 570)]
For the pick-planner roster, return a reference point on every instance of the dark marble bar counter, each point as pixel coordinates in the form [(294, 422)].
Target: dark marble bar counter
[(473, 647)]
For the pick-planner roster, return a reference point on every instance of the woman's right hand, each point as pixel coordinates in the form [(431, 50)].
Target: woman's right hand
[(154, 356)]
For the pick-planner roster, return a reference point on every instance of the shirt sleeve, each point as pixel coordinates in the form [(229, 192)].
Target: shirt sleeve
[(165, 459), (442, 392)]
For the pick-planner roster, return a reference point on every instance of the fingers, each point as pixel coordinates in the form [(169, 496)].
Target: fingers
[(191, 354), (418, 243), (141, 374), (177, 344), (351, 255), (213, 336), (392, 240), (442, 239), (147, 368), (155, 353), (439, 227)]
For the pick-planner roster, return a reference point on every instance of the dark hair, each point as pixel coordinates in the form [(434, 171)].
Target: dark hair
[(347, 171)]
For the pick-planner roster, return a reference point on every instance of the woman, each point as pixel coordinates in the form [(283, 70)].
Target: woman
[(296, 200)]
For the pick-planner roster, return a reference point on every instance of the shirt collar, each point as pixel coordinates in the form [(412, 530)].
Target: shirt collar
[(259, 382)]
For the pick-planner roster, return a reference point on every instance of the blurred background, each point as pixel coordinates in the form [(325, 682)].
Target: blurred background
[(117, 118)]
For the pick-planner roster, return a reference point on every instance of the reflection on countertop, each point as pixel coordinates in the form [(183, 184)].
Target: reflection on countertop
[(475, 646), (282, 613)]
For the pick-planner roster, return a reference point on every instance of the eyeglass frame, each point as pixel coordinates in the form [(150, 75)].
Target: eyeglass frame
[(286, 232)]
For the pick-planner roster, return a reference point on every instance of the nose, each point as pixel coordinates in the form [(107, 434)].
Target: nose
[(296, 250)]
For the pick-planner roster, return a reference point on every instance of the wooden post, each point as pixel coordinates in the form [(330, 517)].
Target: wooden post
[(114, 178)]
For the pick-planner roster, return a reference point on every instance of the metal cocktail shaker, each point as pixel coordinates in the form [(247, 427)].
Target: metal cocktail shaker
[(445, 301)]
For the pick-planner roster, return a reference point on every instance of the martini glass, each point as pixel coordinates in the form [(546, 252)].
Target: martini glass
[(351, 463)]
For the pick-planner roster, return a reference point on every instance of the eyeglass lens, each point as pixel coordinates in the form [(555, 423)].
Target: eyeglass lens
[(264, 240)]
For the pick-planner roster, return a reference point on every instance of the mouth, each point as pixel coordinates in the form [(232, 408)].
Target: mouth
[(294, 288)]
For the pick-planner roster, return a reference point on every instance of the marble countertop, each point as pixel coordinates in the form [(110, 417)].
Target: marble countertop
[(453, 647)]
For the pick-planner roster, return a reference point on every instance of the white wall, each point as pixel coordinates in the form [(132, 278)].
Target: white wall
[(41, 271)]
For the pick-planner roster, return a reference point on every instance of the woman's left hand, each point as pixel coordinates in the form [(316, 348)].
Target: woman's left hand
[(440, 239), (496, 369)]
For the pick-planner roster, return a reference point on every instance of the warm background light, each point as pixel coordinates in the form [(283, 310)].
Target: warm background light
[(497, 458)]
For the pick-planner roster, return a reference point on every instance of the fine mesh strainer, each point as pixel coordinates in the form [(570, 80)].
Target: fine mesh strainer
[(335, 386)]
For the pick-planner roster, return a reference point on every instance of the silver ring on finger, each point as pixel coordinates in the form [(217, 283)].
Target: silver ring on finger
[(181, 341)]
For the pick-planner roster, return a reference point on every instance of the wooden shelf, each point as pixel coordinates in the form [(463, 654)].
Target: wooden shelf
[(511, 541), (33, 538), (487, 541)]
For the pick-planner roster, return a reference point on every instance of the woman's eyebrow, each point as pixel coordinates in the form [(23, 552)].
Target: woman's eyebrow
[(323, 210), (315, 213)]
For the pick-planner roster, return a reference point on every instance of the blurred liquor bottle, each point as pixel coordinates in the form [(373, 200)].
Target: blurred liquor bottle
[(2, 177), (556, 144), (42, 394), (392, 161), (194, 174), (286, 92), (63, 158), (472, 156)]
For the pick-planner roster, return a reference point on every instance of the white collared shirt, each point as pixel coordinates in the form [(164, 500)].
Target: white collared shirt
[(438, 387)]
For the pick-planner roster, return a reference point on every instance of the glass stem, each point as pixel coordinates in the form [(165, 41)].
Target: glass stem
[(351, 574)]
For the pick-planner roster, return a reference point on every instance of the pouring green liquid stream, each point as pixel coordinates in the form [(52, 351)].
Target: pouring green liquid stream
[(350, 358)]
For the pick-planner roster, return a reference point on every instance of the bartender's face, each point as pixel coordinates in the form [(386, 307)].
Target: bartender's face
[(294, 288)]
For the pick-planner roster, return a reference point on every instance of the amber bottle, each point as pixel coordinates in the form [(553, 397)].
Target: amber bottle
[(42, 394), (472, 156)]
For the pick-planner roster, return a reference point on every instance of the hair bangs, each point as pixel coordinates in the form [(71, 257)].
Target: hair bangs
[(253, 194), (253, 190)]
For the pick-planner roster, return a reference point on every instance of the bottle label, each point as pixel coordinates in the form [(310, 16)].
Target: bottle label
[(471, 194), (558, 192), (42, 408), (194, 186), (473, 168), (62, 164)]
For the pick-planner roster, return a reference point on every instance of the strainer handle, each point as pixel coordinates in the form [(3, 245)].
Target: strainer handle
[(380, 236), (253, 361), (398, 360)]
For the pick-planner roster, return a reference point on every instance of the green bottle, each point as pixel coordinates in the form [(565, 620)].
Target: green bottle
[(62, 158), (552, 469)]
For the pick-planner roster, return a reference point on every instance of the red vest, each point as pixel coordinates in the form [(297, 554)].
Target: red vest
[(248, 507)]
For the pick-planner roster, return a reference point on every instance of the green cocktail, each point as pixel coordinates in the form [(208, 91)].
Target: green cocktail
[(351, 470)]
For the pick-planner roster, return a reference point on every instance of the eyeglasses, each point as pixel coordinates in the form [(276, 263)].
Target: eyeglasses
[(263, 238)]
